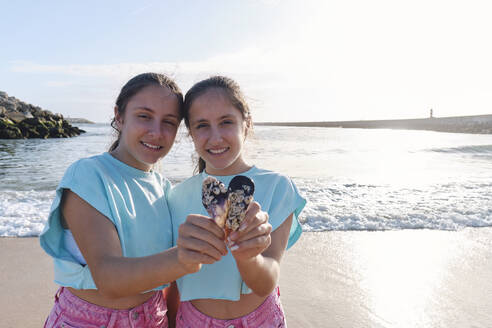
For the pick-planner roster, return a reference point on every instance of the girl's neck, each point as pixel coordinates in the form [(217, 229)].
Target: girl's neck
[(238, 167), (124, 157)]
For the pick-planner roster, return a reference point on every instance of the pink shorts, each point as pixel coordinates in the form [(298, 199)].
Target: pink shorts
[(269, 314), (70, 311)]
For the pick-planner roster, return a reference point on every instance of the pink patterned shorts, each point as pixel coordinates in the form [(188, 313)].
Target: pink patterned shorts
[(268, 315), (70, 311)]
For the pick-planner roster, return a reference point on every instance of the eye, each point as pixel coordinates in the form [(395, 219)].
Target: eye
[(170, 123), (201, 125), (227, 122), (143, 116)]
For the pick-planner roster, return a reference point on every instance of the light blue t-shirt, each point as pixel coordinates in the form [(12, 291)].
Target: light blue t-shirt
[(132, 199), (276, 194)]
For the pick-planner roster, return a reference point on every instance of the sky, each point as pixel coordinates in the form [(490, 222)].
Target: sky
[(295, 60)]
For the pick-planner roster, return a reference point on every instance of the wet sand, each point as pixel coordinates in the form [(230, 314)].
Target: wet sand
[(409, 278)]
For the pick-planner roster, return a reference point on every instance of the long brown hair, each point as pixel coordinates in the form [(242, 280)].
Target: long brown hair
[(234, 94), (133, 86)]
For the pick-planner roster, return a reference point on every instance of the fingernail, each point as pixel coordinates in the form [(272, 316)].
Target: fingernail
[(233, 248), (229, 242), (232, 236), (242, 227)]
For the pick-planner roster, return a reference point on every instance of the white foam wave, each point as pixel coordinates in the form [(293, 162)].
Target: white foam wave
[(24, 213), (358, 207), (472, 149), (331, 206)]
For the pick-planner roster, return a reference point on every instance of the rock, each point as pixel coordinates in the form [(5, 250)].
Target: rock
[(8, 130), (16, 116), (9, 105), (22, 120), (78, 120)]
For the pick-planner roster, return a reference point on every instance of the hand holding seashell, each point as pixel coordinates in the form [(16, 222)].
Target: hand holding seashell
[(200, 241)]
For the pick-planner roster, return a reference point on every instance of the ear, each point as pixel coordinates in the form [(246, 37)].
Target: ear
[(118, 119), (246, 128)]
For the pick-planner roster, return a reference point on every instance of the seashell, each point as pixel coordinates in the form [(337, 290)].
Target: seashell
[(240, 189), (214, 200), (227, 206)]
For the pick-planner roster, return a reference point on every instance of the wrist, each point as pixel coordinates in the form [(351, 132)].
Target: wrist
[(183, 267), (255, 260)]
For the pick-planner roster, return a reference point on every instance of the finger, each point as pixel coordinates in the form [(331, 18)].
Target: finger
[(253, 209), (252, 218), (199, 246), (260, 219), (206, 223), (193, 257), (263, 229), (193, 231), (260, 242)]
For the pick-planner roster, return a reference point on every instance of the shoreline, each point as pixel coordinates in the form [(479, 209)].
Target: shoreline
[(477, 124), (402, 278)]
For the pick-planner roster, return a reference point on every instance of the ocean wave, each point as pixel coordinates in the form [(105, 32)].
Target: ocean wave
[(354, 180), (24, 213), (471, 149), (331, 206), (452, 206)]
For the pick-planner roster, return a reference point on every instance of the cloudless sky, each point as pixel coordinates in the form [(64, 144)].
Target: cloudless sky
[(295, 60)]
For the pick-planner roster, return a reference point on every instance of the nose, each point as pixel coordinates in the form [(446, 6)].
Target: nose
[(215, 135), (155, 130)]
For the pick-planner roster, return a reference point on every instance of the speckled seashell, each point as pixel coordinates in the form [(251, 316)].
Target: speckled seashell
[(241, 189), (227, 206), (214, 199)]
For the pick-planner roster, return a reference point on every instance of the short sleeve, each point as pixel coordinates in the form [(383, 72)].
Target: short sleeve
[(87, 182), (286, 199), (82, 178)]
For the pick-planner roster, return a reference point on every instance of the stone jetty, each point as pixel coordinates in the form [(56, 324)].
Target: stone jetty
[(19, 120), (477, 124)]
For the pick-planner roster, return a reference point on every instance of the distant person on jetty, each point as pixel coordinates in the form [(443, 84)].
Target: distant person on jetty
[(240, 290), (109, 230)]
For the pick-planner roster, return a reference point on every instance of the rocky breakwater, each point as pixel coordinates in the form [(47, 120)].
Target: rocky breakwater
[(19, 120)]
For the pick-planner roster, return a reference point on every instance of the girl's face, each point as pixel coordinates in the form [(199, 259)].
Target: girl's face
[(147, 127), (218, 131)]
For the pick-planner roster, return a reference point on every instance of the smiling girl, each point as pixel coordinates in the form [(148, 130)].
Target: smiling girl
[(239, 290)]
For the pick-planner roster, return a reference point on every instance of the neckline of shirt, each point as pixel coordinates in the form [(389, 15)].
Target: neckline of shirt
[(125, 167)]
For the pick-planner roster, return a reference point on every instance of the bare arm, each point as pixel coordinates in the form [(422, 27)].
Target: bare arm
[(115, 275), (259, 253)]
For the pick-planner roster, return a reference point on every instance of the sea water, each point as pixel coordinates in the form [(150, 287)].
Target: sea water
[(354, 179)]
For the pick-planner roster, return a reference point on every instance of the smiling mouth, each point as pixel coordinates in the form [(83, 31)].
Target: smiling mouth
[(153, 147), (217, 151)]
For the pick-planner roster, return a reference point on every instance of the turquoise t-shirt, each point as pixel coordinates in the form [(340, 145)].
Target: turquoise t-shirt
[(276, 194), (132, 199)]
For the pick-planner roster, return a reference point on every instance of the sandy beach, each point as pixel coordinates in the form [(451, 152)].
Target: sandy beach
[(407, 278)]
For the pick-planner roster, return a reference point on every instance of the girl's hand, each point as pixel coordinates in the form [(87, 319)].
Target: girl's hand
[(200, 240), (253, 236)]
